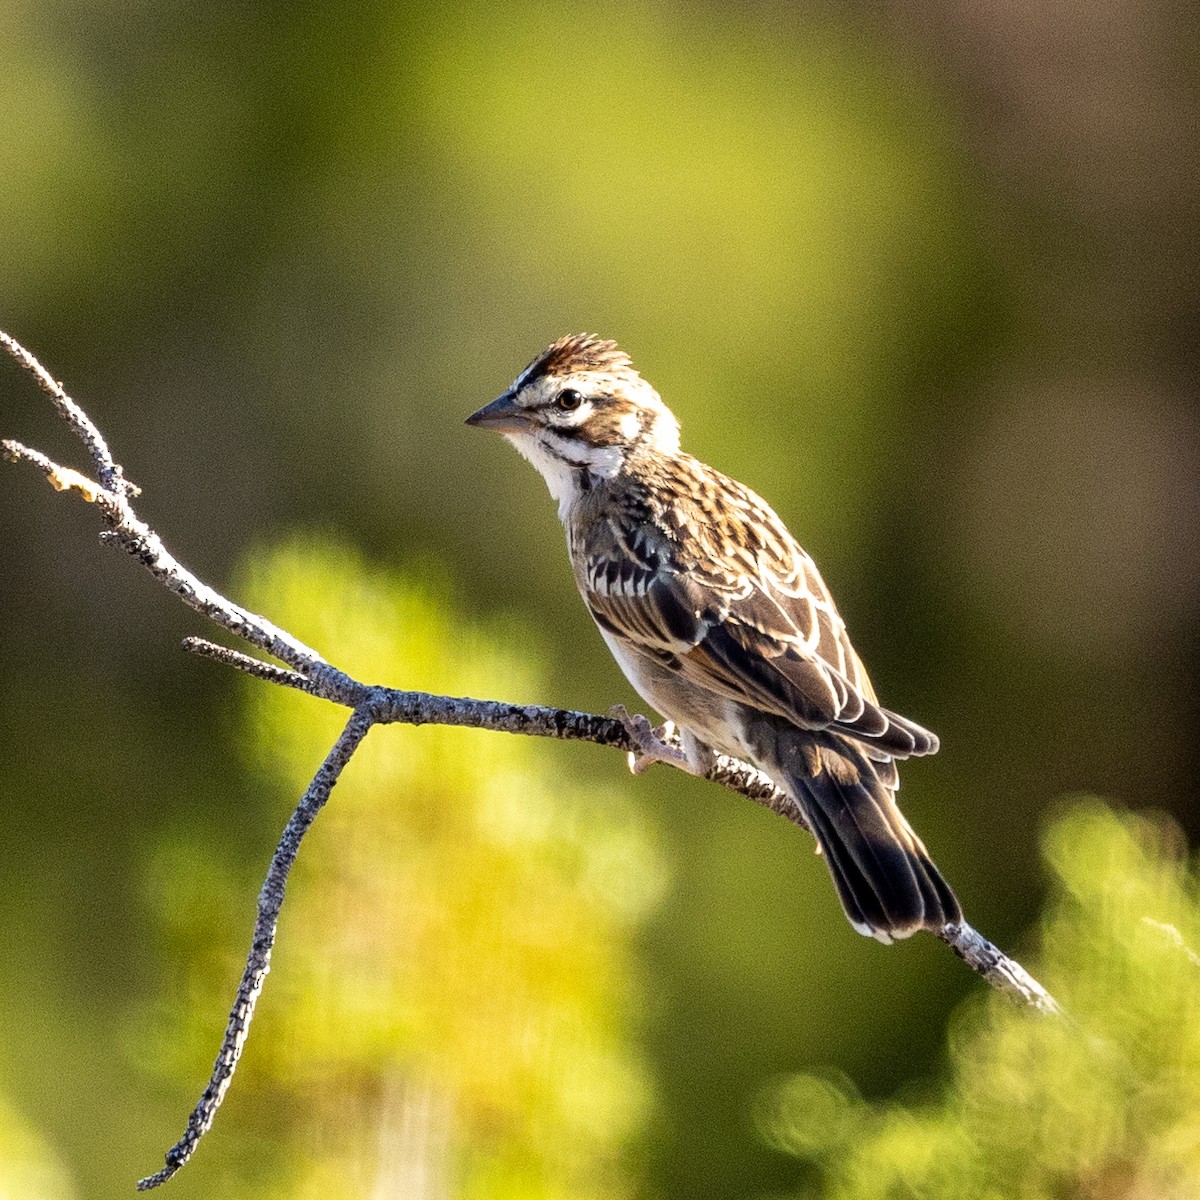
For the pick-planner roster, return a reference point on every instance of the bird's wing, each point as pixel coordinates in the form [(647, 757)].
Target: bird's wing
[(760, 629)]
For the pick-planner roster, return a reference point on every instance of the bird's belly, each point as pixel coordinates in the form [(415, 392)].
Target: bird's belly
[(713, 719)]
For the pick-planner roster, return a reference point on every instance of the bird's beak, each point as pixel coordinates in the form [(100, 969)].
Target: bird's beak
[(503, 415)]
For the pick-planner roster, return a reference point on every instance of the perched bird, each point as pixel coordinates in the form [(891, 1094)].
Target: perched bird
[(720, 621)]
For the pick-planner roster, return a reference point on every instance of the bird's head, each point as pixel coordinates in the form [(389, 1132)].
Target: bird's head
[(580, 409)]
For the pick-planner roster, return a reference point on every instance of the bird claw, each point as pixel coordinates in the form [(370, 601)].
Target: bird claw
[(650, 745)]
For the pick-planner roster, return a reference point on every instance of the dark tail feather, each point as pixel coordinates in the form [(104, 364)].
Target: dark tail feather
[(884, 876)]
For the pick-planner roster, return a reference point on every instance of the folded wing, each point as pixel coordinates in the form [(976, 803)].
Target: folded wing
[(768, 637)]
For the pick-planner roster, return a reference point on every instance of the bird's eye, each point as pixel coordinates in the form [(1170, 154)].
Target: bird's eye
[(568, 400)]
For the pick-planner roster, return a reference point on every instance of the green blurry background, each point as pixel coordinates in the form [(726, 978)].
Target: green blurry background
[(924, 275)]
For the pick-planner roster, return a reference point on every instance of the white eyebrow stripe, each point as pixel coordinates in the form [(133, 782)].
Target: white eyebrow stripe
[(526, 375)]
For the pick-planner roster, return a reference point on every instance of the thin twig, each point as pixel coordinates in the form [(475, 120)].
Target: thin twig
[(258, 961), (135, 537), (267, 672), (111, 475), (371, 705), (63, 479)]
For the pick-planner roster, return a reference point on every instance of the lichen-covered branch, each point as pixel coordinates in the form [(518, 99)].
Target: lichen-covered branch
[(112, 495), (1003, 973), (258, 961)]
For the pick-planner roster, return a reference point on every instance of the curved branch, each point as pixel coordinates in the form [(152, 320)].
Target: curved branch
[(258, 961), (111, 493)]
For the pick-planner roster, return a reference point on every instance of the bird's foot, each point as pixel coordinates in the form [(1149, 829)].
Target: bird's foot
[(650, 745)]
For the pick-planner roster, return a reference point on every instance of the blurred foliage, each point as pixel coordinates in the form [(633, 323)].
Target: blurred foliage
[(453, 1004), (28, 1168), (1104, 1105)]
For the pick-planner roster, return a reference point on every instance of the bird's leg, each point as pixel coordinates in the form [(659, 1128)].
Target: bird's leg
[(652, 745)]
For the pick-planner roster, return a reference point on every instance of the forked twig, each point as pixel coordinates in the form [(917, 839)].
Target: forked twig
[(112, 494)]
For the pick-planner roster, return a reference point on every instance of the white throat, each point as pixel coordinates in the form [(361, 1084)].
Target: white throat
[(549, 452)]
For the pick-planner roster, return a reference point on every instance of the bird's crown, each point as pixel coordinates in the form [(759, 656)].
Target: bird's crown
[(585, 390), (578, 353)]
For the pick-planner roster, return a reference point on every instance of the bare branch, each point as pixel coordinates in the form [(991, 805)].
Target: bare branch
[(111, 475), (370, 705), (258, 961), (1003, 973), (135, 537), (251, 666)]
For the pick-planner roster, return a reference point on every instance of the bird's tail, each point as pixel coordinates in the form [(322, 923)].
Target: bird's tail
[(884, 876)]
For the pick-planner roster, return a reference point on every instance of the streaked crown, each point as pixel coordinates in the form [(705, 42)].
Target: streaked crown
[(578, 353), (579, 396)]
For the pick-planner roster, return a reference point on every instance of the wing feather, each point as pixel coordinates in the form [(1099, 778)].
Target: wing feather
[(763, 631)]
